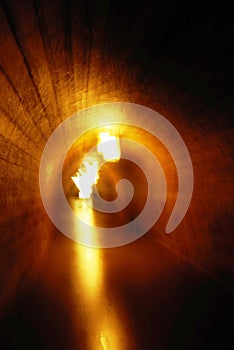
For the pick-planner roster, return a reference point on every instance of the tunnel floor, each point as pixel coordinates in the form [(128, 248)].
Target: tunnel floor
[(157, 301)]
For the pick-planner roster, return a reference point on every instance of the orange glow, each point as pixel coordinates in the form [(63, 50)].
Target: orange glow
[(90, 269), (106, 329), (89, 265)]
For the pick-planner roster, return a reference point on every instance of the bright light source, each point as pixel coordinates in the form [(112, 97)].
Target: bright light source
[(109, 150), (108, 147), (87, 176)]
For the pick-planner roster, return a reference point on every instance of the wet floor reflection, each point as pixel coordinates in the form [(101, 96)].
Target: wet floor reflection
[(105, 329), (139, 296)]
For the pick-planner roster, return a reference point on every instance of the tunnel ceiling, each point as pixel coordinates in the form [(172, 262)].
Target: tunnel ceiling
[(59, 57)]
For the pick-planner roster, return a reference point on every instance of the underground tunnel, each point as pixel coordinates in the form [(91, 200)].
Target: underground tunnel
[(60, 60)]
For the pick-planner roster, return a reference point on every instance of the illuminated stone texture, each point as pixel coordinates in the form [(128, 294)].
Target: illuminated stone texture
[(58, 57)]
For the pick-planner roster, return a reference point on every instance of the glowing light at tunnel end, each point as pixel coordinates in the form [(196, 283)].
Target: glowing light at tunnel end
[(88, 175), (117, 113)]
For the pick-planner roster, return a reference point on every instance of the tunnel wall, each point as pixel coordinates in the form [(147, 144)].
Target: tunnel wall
[(58, 57)]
